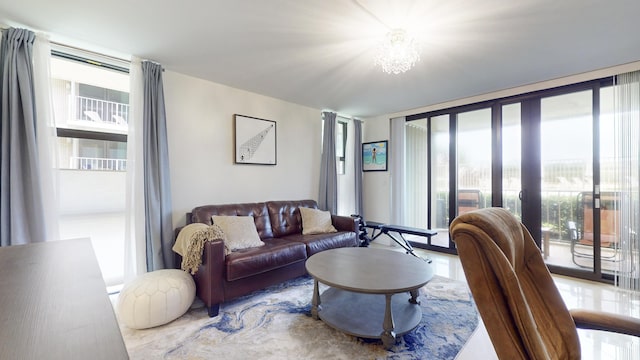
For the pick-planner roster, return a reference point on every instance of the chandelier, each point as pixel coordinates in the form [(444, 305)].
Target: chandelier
[(397, 53)]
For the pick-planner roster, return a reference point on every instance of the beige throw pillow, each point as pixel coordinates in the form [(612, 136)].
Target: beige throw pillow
[(240, 232), (316, 221)]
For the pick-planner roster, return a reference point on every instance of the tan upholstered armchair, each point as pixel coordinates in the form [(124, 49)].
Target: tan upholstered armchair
[(518, 301)]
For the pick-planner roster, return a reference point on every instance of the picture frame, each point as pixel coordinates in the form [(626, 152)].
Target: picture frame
[(374, 156), (255, 140)]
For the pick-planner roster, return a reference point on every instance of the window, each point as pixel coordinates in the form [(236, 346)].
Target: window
[(91, 108), (341, 144)]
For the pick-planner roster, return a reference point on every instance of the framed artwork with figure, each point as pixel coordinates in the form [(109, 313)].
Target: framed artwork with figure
[(255, 140), (374, 156)]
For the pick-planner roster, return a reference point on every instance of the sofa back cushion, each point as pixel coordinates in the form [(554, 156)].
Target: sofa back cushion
[(285, 216), (202, 214)]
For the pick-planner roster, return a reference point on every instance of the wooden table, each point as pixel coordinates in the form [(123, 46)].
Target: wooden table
[(54, 304), (373, 292)]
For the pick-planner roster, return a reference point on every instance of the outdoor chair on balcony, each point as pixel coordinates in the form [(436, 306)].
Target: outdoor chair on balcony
[(119, 120), (582, 239), (584, 248), (93, 116), (468, 200), (522, 309)]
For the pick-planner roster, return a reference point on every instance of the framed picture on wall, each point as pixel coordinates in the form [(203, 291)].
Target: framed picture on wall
[(374, 156), (255, 140)]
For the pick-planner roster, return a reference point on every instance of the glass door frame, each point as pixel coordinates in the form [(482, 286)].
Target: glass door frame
[(532, 167)]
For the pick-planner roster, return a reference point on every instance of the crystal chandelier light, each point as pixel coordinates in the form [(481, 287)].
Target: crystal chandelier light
[(397, 53)]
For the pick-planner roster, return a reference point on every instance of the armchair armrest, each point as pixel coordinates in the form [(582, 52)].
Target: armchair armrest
[(344, 223), (598, 320)]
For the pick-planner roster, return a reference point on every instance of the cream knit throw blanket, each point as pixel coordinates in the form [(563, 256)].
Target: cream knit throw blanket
[(190, 243)]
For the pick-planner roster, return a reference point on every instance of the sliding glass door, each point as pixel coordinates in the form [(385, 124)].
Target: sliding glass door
[(473, 151), (439, 178), (547, 157), (570, 191), (567, 177), (511, 158)]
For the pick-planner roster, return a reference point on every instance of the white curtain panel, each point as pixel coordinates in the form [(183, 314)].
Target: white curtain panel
[(46, 128), (134, 251), (397, 168), (627, 140), (416, 176)]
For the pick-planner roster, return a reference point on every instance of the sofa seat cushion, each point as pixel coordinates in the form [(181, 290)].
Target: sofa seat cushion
[(274, 254), (319, 242)]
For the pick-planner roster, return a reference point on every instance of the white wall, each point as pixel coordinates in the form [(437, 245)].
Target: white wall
[(376, 184), (201, 146)]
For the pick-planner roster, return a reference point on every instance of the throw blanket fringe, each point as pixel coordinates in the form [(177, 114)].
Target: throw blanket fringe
[(190, 244)]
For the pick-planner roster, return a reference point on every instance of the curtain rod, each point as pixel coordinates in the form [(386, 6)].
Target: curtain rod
[(108, 57), (111, 57), (344, 116), (86, 60), (90, 52)]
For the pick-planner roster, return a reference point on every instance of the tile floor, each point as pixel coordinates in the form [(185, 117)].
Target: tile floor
[(596, 345)]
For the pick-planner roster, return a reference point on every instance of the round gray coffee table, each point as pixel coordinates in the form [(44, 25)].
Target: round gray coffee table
[(373, 293)]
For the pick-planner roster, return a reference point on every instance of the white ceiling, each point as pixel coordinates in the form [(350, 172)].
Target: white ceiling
[(319, 53)]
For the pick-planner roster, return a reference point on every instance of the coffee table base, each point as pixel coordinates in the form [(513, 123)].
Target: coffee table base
[(363, 315)]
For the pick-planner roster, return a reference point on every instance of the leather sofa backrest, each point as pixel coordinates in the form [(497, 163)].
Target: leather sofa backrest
[(285, 216), (202, 214)]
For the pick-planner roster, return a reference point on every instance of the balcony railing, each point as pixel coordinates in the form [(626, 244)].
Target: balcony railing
[(86, 163), (103, 111)]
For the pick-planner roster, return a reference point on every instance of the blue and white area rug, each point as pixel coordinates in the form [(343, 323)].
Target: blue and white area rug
[(275, 323)]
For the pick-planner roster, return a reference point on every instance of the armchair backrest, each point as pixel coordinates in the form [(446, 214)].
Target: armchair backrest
[(525, 316)]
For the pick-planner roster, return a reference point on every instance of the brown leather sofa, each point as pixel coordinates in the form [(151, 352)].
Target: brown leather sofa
[(223, 277)]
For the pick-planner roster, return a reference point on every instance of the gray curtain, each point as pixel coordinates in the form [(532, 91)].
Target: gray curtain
[(357, 165), (157, 189), (20, 191), (328, 196)]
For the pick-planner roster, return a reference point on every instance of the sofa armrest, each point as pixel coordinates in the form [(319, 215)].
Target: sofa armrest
[(177, 259), (210, 276), (345, 223)]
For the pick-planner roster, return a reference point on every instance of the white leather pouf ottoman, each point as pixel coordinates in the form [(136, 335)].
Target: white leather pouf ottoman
[(155, 298)]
